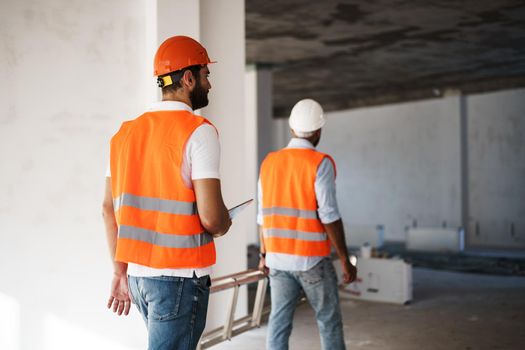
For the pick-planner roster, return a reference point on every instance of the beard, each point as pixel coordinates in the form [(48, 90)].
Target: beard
[(199, 97)]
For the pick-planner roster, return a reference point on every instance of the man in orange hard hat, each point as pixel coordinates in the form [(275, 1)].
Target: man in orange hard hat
[(298, 220), (163, 204)]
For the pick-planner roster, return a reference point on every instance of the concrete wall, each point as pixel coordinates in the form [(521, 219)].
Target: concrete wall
[(70, 72), (400, 164), (397, 164)]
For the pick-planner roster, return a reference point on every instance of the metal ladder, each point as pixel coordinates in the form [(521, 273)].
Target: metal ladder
[(234, 327)]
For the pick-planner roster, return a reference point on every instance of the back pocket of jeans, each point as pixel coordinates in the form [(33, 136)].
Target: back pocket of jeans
[(164, 298), (315, 274)]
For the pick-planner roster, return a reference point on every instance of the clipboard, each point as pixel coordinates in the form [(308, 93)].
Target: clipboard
[(234, 211)]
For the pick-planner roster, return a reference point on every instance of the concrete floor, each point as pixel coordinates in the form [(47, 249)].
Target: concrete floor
[(450, 311)]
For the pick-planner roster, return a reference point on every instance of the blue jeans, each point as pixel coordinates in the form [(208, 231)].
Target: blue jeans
[(320, 286), (174, 309)]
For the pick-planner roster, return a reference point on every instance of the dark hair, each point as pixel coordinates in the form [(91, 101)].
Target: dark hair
[(177, 76)]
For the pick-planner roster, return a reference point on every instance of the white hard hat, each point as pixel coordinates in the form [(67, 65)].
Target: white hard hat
[(307, 115)]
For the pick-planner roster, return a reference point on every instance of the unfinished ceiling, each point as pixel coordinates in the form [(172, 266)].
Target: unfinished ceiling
[(349, 54)]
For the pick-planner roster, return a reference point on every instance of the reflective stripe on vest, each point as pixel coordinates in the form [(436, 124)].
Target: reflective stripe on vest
[(307, 214), (156, 213), (303, 235), (149, 203), (290, 221), (165, 240)]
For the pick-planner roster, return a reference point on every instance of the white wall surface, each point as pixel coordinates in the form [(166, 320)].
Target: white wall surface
[(402, 162), (70, 72), (496, 129), (397, 164)]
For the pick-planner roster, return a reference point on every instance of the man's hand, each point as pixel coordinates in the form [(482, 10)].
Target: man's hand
[(262, 266), (336, 234), (349, 272), (119, 298)]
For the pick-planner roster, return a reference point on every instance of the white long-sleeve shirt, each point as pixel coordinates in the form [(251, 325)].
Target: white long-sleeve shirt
[(327, 210)]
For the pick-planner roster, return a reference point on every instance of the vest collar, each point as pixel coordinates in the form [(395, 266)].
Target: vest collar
[(170, 106)]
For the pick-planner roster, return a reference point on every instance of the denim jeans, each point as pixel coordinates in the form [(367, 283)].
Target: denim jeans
[(320, 286), (174, 309)]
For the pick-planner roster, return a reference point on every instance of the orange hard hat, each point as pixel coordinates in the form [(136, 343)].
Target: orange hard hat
[(179, 52)]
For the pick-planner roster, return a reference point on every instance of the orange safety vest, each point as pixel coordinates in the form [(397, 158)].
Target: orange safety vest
[(158, 223), (290, 221)]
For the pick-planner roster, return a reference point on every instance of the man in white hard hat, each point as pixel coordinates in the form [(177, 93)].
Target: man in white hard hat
[(298, 222)]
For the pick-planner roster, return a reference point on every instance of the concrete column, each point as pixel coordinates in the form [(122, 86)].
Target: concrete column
[(222, 33), (251, 142), (273, 133), (258, 81), (267, 134), (465, 200)]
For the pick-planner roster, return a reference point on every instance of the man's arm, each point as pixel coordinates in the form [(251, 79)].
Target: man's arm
[(212, 211), (336, 234), (330, 217), (119, 297)]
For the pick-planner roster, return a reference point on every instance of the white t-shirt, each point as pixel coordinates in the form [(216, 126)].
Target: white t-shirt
[(201, 161)]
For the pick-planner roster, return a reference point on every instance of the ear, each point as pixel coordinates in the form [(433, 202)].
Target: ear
[(188, 79)]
